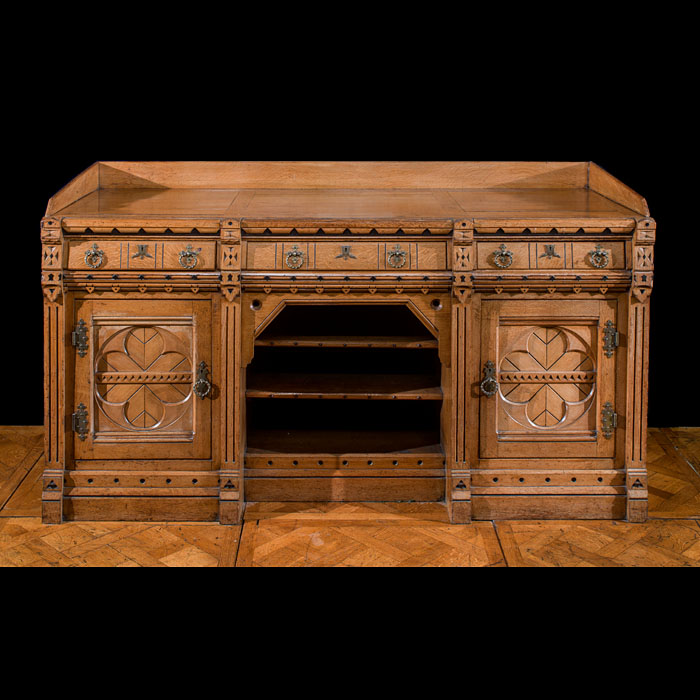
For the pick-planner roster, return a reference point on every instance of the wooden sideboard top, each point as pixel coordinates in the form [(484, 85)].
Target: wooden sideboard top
[(383, 191)]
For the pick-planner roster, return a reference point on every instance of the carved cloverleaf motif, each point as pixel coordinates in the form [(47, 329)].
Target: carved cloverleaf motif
[(548, 379), (143, 378)]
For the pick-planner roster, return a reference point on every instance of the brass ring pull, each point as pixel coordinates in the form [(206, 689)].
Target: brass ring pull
[(489, 385), (188, 257), (396, 257), (599, 257), (503, 257), (295, 258), (202, 387), (94, 257)]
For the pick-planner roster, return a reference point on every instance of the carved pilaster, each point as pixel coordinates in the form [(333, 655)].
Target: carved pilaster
[(459, 475), (231, 497), (54, 370), (638, 370)]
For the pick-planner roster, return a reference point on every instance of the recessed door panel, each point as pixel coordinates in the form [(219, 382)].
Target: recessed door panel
[(135, 381), (553, 379)]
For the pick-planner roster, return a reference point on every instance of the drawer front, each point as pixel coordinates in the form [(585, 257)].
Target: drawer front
[(142, 255), (290, 255), (550, 255)]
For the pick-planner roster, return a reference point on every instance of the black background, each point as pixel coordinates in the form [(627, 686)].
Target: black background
[(619, 113)]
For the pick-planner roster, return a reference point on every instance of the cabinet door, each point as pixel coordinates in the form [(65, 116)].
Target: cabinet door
[(135, 379), (554, 379)]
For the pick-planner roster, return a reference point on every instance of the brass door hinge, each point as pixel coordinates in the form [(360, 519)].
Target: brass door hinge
[(608, 420), (611, 338), (80, 421), (79, 338)]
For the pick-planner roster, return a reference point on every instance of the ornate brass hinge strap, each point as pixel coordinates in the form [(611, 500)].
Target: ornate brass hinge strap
[(79, 338), (608, 420), (611, 338), (80, 421)]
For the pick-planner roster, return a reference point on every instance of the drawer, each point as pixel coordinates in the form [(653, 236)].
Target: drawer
[(291, 255), (141, 255), (550, 255)]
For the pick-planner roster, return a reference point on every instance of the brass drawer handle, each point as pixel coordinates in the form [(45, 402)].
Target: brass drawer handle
[(396, 257), (489, 385), (94, 257), (202, 386), (503, 257), (599, 257), (188, 257), (295, 258)]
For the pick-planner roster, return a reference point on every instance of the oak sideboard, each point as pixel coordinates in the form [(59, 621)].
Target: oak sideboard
[(473, 333)]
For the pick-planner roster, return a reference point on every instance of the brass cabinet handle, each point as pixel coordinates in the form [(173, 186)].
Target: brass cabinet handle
[(202, 385), (599, 257), (188, 257), (489, 385), (396, 257), (295, 258), (94, 257), (502, 257)]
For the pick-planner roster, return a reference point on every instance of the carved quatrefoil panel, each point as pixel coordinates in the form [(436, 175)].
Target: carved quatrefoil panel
[(143, 378), (547, 378)]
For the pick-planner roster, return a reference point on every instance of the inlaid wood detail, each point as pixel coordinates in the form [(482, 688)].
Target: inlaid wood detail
[(199, 257)]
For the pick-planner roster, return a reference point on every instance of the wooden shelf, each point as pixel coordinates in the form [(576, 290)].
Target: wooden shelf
[(343, 386), (403, 342), (342, 442)]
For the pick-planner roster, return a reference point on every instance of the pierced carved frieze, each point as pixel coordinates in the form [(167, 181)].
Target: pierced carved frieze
[(554, 228), (51, 257), (116, 227), (142, 282), (230, 258), (562, 283), (344, 228), (463, 257)]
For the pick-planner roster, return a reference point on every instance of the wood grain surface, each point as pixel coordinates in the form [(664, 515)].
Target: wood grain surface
[(356, 534)]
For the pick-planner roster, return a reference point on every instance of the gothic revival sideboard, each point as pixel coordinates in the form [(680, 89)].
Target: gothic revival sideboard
[(223, 332)]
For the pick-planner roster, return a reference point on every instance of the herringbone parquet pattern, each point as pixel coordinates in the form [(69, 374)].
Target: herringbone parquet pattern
[(357, 534)]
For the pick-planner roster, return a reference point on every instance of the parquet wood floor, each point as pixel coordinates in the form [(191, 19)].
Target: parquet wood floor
[(357, 534)]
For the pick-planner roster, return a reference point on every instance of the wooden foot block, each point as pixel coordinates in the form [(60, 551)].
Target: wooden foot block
[(637, 511), (461, 512), (230, 512), (51, 512)]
